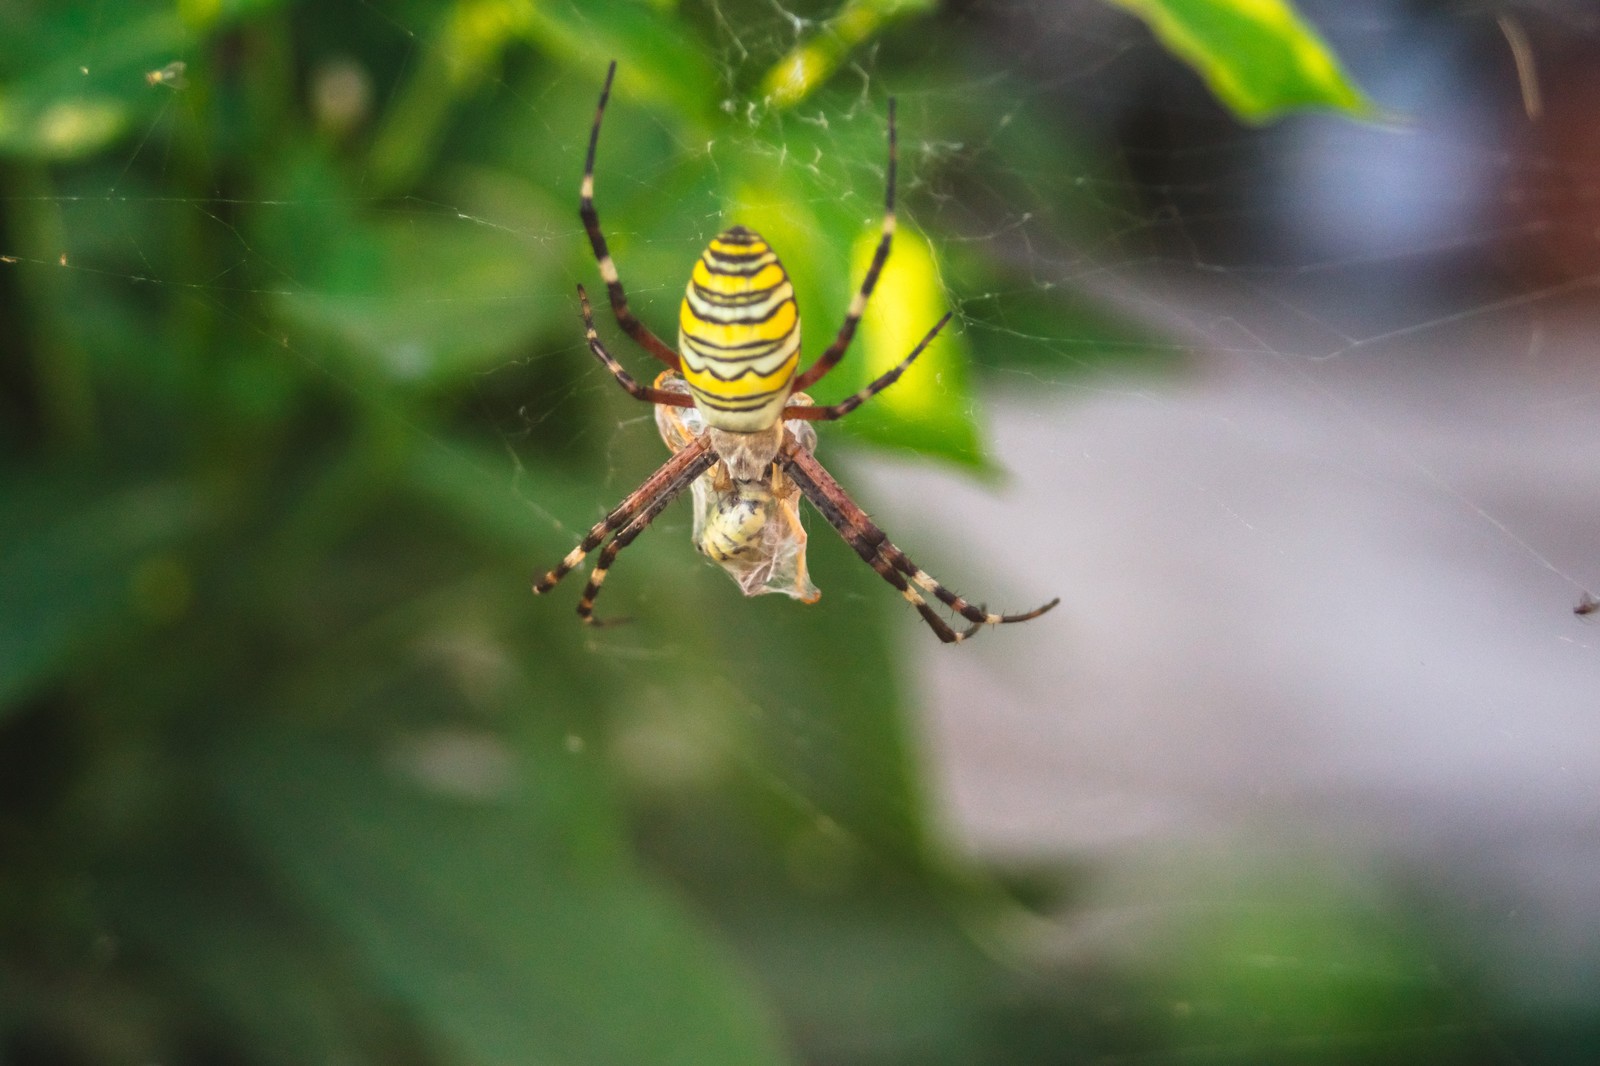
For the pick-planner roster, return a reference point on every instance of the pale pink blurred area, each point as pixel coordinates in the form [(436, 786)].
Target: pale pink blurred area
[(1318, 582), (1315, 604)]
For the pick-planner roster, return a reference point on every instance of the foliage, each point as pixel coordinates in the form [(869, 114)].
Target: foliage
[(1258, 56), (292, 768)]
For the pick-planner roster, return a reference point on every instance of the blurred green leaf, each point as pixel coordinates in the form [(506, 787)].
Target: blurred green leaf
[(417, 295), (1283, 957), (76, 563), (71, 85), (657, 59), (207, 14), (513, 927), (471, 488), (60, 129), (306, 774), (1259, 56), (811, 63), (264, 969), (873, 976), (469, 38)]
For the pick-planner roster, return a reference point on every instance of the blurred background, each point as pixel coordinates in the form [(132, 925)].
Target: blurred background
[(1296, 410)]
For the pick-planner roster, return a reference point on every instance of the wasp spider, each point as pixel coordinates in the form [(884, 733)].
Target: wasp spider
[(729, 408)]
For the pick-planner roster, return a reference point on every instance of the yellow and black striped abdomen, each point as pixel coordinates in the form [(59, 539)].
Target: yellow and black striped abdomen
[(739, 333)]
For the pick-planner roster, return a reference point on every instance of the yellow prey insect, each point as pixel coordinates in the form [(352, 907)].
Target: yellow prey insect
[(749, 528), (728, 406)]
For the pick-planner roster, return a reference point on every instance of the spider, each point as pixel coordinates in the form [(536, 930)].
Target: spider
[(746, 430)]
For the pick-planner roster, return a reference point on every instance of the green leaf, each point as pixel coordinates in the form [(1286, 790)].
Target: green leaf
[(931, 407), (1258, 56), (505, 915), (278, 982), (76, 563), (416, 295), (63, 128), (874, 970), (71, 85), (1285, 952), (809, 64), (657, 58)]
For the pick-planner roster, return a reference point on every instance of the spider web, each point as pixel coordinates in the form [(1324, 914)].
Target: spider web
[(1319, 582), (1318, 565)]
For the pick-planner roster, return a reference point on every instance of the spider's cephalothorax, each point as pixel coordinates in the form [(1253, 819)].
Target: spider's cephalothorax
[(739, 333), (747, 449)]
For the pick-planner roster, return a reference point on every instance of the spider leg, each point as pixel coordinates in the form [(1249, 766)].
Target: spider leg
[(669, 478), (868, 551), (809, 413), (874, 546), (597, 240), (640, 523), (835, 351), (625, 379), (977, 615)]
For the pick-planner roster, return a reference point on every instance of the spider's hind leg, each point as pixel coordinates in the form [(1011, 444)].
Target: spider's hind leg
[(879, 552), (608, 555), (974, 613)]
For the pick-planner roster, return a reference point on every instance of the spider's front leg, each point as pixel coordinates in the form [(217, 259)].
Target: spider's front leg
[(625, 379), (602, 254)]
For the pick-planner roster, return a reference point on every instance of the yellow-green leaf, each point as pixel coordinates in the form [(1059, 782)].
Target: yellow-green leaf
[(1258, 56), (930, 408), (826, 245), (810, 63)]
